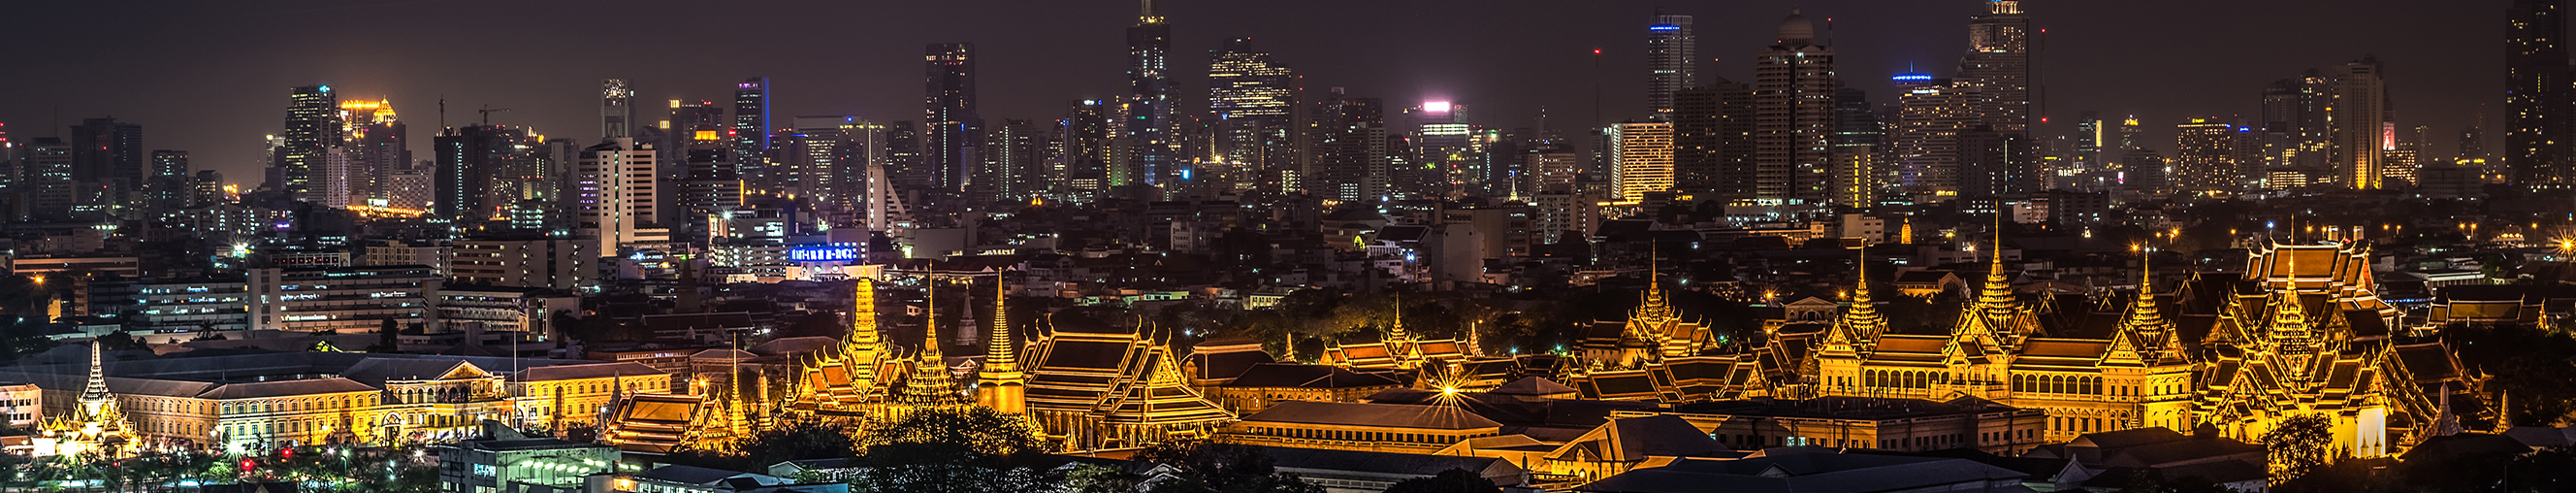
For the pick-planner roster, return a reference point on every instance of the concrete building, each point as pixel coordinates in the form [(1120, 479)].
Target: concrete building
[(348, 299), (564, 264), (1641, 159)]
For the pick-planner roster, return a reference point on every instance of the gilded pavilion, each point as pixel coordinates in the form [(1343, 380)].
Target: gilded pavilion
[(1399, 349), (95, 426), (1661, 355), (2304, 333), (1093, 386)]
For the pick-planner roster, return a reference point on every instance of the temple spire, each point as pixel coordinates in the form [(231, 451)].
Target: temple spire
[(1863, 320), (97, 389), (1000, 355)]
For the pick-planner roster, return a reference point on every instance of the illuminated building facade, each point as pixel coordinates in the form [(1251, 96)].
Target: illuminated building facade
[(1671, 63), (1998, 64), (2139, 376), (2205, 157), (1793, 98), (1712, 141), (2356, 119), (96, 424), (1641, 159), (1931, 116), (1149, 123), (2304, 333), (1254, 97), (751, 121), (345, 299), (2540, 107), (952, 126), (1094, 386), (618, 196), (312, 124)]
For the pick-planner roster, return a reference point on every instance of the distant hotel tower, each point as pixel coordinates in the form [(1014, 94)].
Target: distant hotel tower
[(1670, 49), (1793, 98), (2538, 100), (1150, 125), (949, 81)]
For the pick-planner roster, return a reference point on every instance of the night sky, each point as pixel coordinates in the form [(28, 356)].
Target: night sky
[(212, 77)]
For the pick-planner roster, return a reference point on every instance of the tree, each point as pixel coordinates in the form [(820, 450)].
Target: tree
[(800, 439), (1208, 467), (2299, 445), (1450, 481), (2154, 481), (1096, 478), (388, 337), (962, 450)]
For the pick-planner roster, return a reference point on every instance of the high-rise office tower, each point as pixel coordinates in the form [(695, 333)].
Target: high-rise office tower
[(1995, 164), (108, 153), (1858, 175), (209, 189), (2205, 157), (1149, 126), (312, 123), (379, 147), (2294, 123), (751, 119), (1086, 132), (1671, 63), (617, 195), (1343, 149), (904, 163), (169, 188), (1441, 149), (45, 178), (1641, 159), (1793, 98), (482, 170), (1998, 64), (711, 187), (2357, 118), (1253, 99), (2539, 104), (950, 125), (1713, 140), (815, 156), (1011, 159), (2473, 146), (616, 109), (1931, 114)]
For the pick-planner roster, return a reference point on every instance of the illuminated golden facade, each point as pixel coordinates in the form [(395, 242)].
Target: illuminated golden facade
[(845, 381), (1398, 349), (2138, 377), (1093, 386), (2305, 334), (96, 425)]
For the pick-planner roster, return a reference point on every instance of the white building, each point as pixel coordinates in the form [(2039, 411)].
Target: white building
[(347, 299)]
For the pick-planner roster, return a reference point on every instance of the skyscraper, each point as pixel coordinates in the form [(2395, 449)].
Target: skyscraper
[(2293, 122), (1011, 160), (1343, 149), (950, 123), (617, 195), (711, 186), (1713, 140), (1998, 64), (107, 152), (1641, 159), (1085, 132), (1149, 126), (2205, 156), (1858, 175), (616, 109), (1671, 63), (1793, 98), (45, 178), (312, 123), (379, 147), (751, 119), (2358, 119), (1931, 115), (2539, 103), (483, 169), (1253, 99)]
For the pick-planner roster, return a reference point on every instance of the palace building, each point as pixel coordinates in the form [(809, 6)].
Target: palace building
[(1094, 386), (2304, 333)]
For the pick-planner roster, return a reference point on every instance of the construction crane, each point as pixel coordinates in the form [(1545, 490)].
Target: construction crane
[(487, 112)]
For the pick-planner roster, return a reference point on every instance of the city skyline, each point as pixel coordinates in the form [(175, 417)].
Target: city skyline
[(2440, 64)]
